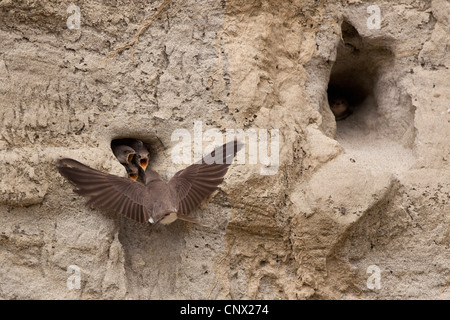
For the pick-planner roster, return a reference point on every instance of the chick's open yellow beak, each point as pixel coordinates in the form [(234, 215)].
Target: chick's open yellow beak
[(143, 163), (130, 157)]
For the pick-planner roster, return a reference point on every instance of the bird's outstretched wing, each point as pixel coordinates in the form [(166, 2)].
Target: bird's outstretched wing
[(106, 191), (198, 181)]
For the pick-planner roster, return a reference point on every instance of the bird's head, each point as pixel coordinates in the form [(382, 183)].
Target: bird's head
[(142, 159), (132, 171), (162, 214), (124, 154)]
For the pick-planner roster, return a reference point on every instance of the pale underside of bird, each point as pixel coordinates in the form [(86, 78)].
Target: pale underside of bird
[(154, 200)]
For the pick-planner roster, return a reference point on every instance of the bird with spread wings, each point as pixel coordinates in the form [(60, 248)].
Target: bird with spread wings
[(152, 199)]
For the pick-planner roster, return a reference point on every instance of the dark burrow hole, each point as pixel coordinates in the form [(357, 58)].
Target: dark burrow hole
[(351, 89), (152, 144), (367, 108), (365, 93)]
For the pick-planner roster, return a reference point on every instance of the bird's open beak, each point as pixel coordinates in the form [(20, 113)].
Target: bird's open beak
[(130, 157), (133, 176), (143, 163)]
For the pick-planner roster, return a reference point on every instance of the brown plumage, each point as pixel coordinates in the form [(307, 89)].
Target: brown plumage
[(155, 200)]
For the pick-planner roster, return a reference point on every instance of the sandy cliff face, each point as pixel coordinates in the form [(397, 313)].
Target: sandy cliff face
[(352, 202)]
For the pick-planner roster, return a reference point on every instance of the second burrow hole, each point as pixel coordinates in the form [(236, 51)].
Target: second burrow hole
[(364, 94)]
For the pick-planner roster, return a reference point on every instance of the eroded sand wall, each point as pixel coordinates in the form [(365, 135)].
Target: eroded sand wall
[(373, 189)]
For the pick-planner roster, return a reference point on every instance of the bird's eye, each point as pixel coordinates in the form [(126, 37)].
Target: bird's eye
[(130, 157)]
